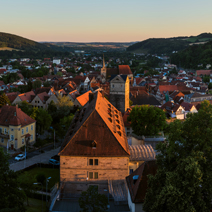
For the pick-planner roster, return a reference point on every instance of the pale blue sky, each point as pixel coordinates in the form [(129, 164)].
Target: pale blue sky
[(111, 20)]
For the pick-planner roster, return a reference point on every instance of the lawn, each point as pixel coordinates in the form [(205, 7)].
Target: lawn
[(48, 172), (35, 205)]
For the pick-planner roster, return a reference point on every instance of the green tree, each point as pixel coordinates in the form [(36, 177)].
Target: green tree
[(43, 120), (26, 184), (210, 85), (36, 84), (92, 201), (11, 195), (4, 100), (183, 181), (147, 120), (64, 105), (25, 107)]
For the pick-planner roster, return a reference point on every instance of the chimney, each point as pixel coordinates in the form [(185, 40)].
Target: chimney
[(91, 97)]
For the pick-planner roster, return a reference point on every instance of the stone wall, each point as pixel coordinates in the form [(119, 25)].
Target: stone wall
[(74, 171)]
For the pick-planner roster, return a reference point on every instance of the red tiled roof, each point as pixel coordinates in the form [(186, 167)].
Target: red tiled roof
[(26, 96), (124, 69), (203, 72), (84, 98), (43, 96), (12, 115)]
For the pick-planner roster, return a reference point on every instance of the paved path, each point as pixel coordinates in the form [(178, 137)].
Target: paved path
[(41, 158)]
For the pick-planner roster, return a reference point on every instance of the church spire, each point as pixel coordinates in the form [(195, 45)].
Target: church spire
[(103, 61)]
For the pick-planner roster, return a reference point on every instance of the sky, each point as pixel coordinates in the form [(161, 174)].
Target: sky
[(104, 20)]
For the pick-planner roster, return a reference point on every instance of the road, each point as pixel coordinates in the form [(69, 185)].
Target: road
[(41, 158), (36, 152)]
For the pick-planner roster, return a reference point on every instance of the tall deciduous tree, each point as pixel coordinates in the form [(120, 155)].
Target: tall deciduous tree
[(4, 100), (92, 201), (11, 195), (184, 178), (147, 120)]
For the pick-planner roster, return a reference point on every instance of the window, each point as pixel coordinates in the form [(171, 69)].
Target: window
[(11, 129), (11, 137), (93, 162), (93, 175), (2, 140), (90, 176), (27, 129), (22, 140), (22, 131), (31, 137), (38, 101), (5, 130), (35, 101), (31, 127), (0, 130)]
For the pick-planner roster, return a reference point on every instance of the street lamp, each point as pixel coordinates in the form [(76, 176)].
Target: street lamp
[(42, 192), (47, 180)]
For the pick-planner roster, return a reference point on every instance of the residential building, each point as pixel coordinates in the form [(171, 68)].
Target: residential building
[(16, 128)]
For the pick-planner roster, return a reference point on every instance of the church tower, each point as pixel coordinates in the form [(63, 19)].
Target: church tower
[(119, 92), (103, 69)]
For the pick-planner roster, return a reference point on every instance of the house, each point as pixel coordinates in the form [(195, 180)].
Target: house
[(189, 108), (137, 185), (16, 128), (81, 100), (173, 110), (95, 148), (24, 97), (73, 95), (40, 100)]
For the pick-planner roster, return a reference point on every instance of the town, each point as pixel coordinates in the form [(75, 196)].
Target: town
[(97, 124)]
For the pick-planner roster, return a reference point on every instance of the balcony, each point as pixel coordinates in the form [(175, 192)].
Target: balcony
[(2, 135)]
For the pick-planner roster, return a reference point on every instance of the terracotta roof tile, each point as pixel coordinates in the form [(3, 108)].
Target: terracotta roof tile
[(12, 115), (124, 69), (84, 98), (26, 96)]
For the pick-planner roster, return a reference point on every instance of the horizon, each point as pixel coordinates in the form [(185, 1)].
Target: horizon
[(99, 21)]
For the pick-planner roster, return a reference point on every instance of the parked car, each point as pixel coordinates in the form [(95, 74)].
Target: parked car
[(20, 157), (54, 162)]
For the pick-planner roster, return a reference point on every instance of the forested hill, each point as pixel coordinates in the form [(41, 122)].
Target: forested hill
[(193, 56), (19, 43), (168, 45)]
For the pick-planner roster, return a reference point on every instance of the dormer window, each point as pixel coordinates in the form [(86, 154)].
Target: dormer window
[(94, 143)]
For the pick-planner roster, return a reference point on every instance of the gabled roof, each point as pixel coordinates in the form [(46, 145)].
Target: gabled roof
[(170, 106), (43, 89), (187, 106), (137, 188), (97, 121), (124, 69), (43, 96), (27, 96), (12, 115), (84, 98)]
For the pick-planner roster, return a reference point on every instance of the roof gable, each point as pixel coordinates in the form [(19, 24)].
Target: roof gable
[(96, 121)]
